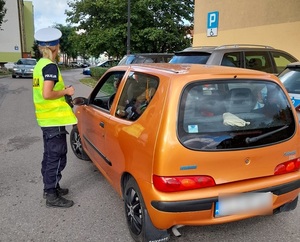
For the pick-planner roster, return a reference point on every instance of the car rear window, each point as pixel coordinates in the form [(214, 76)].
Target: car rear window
[(190, 58), (234, 114)]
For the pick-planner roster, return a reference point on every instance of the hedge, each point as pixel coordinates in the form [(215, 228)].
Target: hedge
[(97, 72)]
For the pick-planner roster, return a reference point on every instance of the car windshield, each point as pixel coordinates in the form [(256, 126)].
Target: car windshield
[(290, 78), (191, 58), (27, 62), (232, 114), (126, 60)]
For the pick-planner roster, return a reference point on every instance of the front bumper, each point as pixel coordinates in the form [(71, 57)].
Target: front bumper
[(23, 73)]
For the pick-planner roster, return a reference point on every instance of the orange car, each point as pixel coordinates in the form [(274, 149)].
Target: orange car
[(191, 144)]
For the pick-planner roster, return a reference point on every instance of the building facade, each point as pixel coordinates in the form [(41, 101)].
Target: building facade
[(273, 23), (17, 31)]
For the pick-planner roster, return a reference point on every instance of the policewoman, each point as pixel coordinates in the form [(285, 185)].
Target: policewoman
[(53, 113)]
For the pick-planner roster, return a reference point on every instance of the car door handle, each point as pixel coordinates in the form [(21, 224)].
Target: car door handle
[(102, 124)]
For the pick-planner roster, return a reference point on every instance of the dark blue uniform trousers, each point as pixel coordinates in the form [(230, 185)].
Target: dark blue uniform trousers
[(55, 156)]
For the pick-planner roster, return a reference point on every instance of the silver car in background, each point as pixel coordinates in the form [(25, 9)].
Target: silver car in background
[(23, 67)]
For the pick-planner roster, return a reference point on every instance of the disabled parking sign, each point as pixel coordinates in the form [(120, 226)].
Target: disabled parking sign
[(212, 24)]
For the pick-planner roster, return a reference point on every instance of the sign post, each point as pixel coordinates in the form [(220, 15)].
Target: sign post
[(212, 24)]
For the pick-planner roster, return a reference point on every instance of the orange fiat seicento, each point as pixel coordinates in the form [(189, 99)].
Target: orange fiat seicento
[(191, 144)]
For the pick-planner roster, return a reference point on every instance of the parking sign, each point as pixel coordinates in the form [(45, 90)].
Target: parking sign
[(212, 24)]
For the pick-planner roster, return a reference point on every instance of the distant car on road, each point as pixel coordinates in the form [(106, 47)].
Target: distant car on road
[(23, 67), (290, 78), (256, 57), (106, 64), (74, 64)]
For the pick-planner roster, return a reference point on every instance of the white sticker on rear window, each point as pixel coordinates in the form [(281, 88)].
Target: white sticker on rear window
[(193, 128)]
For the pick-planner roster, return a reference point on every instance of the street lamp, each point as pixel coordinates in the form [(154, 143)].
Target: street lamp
[(128, 28)]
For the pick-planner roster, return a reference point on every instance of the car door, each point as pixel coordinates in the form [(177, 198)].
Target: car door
[(96, 117)]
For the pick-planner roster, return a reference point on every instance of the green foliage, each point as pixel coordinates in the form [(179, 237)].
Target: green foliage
[(156, 26), (89, 81), (68, 46), (2, 12), (97, 72), (36, 53)]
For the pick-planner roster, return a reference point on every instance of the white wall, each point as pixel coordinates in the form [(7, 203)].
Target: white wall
[(10, 33)]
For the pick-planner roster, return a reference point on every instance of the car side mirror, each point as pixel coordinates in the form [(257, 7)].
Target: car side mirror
[(80, 101)]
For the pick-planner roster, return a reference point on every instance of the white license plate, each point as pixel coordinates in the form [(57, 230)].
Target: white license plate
[(260, 202)]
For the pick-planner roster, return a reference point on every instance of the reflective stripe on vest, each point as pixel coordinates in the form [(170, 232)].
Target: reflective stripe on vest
[(50, 112)]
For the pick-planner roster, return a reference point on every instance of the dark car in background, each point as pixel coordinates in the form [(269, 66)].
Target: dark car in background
[(106, 64), (290, 77), (256, 57), (146, 58), (23, 67)]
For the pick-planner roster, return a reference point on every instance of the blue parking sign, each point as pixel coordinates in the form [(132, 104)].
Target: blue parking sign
[(212, 24)]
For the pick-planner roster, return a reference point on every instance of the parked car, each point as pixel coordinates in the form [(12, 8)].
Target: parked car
[(190, 144), (290, 78), (146, 58), (23, 67), (256, 57), (74, 64), (106, 64)]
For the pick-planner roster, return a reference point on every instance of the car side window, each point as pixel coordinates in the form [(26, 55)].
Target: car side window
[(104, 93), (136, 95), (258, 60), (281, 60), (232, 59)]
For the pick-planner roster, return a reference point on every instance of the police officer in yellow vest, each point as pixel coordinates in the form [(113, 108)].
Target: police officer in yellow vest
[(53, 113)]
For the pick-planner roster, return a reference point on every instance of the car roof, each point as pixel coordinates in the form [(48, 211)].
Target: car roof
[(231, 46), (27, 59), (225, 48), (150, 54)]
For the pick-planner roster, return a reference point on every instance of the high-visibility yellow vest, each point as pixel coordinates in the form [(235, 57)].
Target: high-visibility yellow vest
[(50, 113)]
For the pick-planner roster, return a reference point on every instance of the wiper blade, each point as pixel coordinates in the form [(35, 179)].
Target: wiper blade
[(249, 140)]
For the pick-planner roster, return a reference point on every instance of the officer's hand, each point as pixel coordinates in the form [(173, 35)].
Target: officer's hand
[(70, 90)]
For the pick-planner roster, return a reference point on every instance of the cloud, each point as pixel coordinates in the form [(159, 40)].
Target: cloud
[(49, 12)]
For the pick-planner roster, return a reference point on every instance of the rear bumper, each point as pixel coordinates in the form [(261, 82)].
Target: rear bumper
[(207, 203)]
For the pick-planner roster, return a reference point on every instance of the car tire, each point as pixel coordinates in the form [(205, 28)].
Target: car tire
[(139, 223), (13, 76), (76, 144)]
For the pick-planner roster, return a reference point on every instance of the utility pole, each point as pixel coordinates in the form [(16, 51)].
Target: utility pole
[(128, 28)]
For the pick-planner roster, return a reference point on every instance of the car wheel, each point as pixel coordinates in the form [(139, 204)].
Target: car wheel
[(76, 145), (137, 217), (14, 76)]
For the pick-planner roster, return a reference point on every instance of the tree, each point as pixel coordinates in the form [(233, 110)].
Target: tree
[(156, 26), (68, 43), (2, 12)]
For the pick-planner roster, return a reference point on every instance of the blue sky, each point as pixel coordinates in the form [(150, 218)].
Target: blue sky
[(49, 12)]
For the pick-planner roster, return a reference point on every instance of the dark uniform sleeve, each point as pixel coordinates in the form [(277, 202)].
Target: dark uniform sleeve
[(50, 73)]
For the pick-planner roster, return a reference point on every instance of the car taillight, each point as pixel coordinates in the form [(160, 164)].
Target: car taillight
[(181, 183), (286, 167)]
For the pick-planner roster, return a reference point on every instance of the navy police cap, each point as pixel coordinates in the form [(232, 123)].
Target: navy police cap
[(48, 36)]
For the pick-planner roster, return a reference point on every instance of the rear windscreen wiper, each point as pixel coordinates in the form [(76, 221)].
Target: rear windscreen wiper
[(249, 140)]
